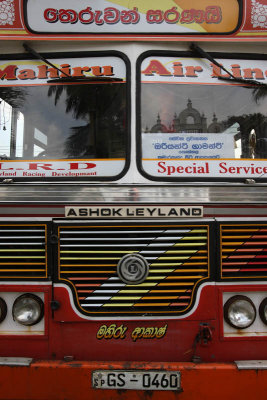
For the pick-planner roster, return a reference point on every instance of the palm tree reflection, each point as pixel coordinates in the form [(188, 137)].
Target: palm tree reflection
[(102, 108)]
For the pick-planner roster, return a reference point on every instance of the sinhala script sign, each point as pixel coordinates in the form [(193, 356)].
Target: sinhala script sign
[(135, 16)]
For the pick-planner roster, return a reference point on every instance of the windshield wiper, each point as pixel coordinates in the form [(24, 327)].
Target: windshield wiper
[(40, 57), (92, 79), (67, 78), (195, 48)]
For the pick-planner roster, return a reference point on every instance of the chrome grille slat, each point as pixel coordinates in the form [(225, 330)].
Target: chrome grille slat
[(21, 237), (21, 243), (23, 255), (178, 256)]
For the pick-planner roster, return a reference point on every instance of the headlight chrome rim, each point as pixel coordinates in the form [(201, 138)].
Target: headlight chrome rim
[(227, 309), (262, 313), (3, 309), (29, 301)]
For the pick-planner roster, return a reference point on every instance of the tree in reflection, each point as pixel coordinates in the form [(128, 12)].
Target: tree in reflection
[(101, 106), (260, 92), (252, 133), (14, 96)]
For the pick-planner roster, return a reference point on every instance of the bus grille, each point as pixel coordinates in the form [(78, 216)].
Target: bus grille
[(243, 251), (178, 258), (23, 251)]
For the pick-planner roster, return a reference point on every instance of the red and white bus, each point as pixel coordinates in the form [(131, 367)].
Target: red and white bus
[(133, 212)]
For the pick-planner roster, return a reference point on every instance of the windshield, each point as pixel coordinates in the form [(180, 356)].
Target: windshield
[(197, 126), (43, 118)]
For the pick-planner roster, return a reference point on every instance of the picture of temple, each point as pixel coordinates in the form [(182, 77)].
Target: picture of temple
[(188, 121)]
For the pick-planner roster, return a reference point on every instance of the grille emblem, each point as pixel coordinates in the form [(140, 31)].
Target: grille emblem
[(133, 269)]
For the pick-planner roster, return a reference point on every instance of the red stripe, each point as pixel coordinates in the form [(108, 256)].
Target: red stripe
[(246, 256), (256, 263), (253, 269), (255, 243), (259, 236), (239, 250)]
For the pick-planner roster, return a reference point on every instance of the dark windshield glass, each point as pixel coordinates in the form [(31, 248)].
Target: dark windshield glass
[(63, 121), (83, 119)]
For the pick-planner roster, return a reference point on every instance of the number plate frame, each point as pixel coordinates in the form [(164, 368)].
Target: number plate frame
[(136, 380)]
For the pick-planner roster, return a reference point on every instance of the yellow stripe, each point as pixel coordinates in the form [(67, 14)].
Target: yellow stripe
[(190, 244), (7, 32), (126, 298), (143, 284), (90, 258), (176, 258), (98, 251), (22, 256), (181, 252), (161, 270), (165, 264), (133, 291), (252, 33), (169, 291), (87, 272), (88, 265), (191, 270), (160, 298), (170, 258), (152, 304), (156, 277), (177, 284), (183, 277), (118, 305), (194, 238)]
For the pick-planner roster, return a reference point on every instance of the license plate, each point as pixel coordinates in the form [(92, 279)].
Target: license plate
[(136, 380)]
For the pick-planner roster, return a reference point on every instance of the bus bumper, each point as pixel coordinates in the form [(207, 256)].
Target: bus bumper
[(59, 380)]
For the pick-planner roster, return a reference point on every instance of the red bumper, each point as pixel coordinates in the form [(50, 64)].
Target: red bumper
[(58, 380)]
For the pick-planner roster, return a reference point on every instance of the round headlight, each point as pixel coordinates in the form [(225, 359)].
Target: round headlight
[(3, 309), (263, 311), (28, 309), (239, 312)]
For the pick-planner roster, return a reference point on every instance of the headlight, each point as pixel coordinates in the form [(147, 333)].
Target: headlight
[(239, 312), (28, 309), (3, 309), (263, 311)]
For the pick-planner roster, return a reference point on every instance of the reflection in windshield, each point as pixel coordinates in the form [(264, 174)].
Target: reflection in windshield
[(63, 121), (234, 114)]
